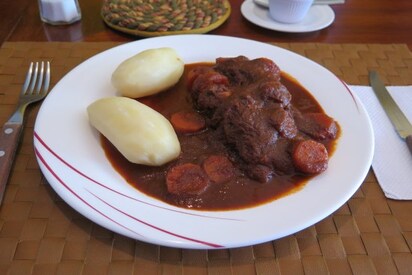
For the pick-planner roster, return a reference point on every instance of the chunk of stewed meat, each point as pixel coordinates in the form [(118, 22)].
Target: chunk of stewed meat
[(194, 73), (259, 172), (310, 157), (186, 179), (283, 121), (280, 156), (246, 101), (242, 71), (247, 132), (274, 91), (317, 125), (209, 89)]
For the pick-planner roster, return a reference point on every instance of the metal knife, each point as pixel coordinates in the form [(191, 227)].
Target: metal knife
[(399, 120)]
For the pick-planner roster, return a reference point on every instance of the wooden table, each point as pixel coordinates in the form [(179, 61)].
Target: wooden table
[(41, 234), (366, 21)]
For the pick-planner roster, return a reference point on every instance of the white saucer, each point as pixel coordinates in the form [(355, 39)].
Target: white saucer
[(318, 17)]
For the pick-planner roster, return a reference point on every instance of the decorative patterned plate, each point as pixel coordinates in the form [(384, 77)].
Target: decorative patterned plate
[(72, 160), (165, 17)]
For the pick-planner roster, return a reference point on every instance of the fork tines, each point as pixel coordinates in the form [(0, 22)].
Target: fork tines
[(35, 78)]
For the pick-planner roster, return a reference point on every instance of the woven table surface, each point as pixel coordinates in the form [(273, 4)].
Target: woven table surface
[(41, 234)]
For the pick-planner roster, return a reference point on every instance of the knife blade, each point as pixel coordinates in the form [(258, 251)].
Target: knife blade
[(400, 122)]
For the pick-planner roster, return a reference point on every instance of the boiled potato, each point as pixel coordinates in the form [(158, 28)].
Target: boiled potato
[(148, 72), (141, 134)]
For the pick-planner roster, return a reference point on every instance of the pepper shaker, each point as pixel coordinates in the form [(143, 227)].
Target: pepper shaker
[(59, 12)]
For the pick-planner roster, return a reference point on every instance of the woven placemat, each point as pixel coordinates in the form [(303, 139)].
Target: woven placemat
[(41, 234), (165, 17)]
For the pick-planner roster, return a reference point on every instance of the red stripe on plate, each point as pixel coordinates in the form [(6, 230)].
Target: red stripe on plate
[(117, 192), (39, 155), (351, 94), (155, 227), (77, 195)]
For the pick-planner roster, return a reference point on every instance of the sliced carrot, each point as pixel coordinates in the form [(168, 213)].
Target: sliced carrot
[(219, 168), (187, 122), (186, 179), (310, 157)]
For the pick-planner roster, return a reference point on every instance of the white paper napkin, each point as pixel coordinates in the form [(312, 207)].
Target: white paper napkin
[(392, 161)]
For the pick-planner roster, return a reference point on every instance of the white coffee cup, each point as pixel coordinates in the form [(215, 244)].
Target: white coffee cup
[(289, 11)]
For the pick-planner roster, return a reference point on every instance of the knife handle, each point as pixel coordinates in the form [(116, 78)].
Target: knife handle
[(408, 140), (9, 139)]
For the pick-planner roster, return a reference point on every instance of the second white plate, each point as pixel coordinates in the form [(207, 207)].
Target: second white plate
[(318, 17)]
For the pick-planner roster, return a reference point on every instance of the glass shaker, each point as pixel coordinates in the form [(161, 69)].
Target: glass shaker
[(59, 12)]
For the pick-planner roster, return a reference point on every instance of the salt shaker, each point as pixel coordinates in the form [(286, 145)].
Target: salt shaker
[(59, 12)]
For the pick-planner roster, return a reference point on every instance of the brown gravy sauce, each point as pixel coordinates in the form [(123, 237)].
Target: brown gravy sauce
[(241, 192)]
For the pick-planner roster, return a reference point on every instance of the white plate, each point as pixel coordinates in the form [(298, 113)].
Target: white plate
[(318, 17), (71, 157)]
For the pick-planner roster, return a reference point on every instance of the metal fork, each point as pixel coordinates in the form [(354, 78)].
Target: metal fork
[(35, 88)]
